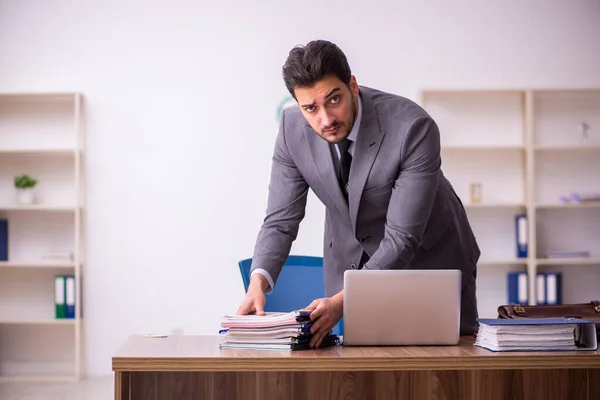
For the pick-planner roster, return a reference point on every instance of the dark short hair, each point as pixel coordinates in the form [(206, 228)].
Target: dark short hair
[(306, 65)]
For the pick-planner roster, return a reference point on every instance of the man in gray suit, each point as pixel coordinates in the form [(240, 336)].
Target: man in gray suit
[(373, 159)]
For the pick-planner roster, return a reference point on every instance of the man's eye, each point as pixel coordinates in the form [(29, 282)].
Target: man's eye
[(309, 109), (335, 99)]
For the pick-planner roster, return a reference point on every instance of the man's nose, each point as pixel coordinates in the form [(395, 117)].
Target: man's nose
[(327, 119)]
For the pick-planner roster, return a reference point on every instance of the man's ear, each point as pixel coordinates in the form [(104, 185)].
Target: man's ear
[(353, 86)]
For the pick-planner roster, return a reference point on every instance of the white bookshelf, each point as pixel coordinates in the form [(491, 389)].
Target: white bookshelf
[(527, 148), (41, 134)]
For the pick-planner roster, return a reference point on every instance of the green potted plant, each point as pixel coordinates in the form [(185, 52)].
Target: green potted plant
[(25, 185)]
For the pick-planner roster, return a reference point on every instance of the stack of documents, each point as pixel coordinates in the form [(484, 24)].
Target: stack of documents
[(536, 334), (273, 331), (569, 254)]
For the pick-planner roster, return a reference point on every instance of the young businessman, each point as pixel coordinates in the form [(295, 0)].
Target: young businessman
[(373, 159)]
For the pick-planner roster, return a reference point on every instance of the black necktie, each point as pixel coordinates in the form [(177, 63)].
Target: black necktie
[(345, 161)]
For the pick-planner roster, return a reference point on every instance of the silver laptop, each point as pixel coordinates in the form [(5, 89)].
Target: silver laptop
[(401, 307)]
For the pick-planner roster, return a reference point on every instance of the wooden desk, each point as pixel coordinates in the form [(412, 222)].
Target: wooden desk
[(193, 367)]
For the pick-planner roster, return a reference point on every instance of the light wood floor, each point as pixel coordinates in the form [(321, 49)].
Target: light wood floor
[(88, 389)]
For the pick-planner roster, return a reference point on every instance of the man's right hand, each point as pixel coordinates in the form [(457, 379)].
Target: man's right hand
[(254, 301)]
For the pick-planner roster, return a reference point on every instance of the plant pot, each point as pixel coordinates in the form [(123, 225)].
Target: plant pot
[(25, 196)]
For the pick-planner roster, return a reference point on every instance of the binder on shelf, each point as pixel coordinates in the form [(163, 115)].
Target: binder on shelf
[(518, 290), (553, 288), (3, 240), (70, 296), (521, 235), (540, 288), (60, 297)]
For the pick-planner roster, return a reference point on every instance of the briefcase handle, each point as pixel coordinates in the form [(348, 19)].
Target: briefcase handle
[(582, 310)]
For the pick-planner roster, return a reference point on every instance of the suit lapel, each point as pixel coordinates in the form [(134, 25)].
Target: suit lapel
[(367, 146), (321, 155)]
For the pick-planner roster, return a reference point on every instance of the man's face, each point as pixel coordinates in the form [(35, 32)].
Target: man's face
[(329, 106)]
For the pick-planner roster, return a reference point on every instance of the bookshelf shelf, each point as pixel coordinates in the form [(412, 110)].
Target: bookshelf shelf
[(43, 264), (36, 321), (37, 378), (491, 263), (527, 149), (492, 206), (581, 148), (28, 96), (35, 152), (38, 207), (486, 148), (42, 135), (560, 206), (569, 261)]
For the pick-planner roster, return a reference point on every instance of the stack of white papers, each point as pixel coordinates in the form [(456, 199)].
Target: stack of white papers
[(274, 331), (536, 334)]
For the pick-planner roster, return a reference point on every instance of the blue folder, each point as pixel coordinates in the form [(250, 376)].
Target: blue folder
[(3, 240), (518, 288), (522, 239)]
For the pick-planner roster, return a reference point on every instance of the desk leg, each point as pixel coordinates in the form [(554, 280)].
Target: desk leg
[(122, 384)]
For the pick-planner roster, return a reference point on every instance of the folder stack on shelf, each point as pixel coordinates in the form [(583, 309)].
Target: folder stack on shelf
[(273, 331)]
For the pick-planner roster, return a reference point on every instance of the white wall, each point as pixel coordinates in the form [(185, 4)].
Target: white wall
[(181, 100)]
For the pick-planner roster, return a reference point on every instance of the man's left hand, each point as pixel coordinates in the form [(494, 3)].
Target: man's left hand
[(326, 313)]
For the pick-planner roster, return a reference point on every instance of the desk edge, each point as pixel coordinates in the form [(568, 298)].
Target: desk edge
[(575, 361)]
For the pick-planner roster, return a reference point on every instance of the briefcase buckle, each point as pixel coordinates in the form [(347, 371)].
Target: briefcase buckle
[(519, 310)]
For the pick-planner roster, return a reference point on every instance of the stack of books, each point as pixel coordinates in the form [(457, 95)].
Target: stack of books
[(536, 334), (273, 331)]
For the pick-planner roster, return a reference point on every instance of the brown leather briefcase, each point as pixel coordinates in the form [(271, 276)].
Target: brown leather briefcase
[(589, 311)]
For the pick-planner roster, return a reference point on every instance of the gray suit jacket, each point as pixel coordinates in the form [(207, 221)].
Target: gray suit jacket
[(401, 211)]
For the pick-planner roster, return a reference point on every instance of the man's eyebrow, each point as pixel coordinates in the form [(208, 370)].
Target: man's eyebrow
[(331, 92)]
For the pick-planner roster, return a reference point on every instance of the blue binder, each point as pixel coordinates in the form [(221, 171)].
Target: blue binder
[(553, 288), (540, 289), (3, 240), (521, 235), (70, 296), (518, 288)]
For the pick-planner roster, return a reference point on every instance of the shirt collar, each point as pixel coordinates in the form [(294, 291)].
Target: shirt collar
[(354, 132)]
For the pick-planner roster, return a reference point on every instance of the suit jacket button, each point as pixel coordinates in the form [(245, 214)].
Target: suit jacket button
[(353, 266)]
